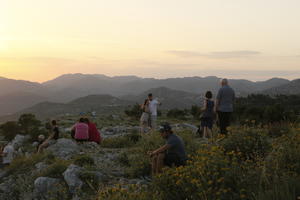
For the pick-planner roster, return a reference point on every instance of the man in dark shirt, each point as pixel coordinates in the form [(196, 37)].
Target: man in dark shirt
[(52, 138), (224, 105), (171, 154)]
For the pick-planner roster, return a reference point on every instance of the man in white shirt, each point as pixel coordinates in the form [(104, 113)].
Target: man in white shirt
[(153, 103), (8, 154)]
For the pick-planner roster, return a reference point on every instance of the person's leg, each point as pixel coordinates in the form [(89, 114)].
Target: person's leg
[(42, 147), (160, 163), (226, 121), (153, 122), (205, 132), (222, 122)]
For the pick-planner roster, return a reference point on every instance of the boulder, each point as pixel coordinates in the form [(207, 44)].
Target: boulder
[(64, 148), (46, 188), (19, 140), (40, 166), (190, 126), (71, 176)]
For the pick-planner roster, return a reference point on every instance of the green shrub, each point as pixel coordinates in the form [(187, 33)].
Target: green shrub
[(124, 141), (24, 164), (177, 113), (249, 142), (91, 180), (84, 160), (56, 169), (10, 129)]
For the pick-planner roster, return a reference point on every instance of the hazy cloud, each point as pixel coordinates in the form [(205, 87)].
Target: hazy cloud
[(242, 53), (216, 54), (185, 53)]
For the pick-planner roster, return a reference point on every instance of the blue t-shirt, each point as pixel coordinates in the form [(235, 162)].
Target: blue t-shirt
[(177, 147), (226, 98)]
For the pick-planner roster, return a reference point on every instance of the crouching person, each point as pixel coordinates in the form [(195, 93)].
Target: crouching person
[(171, 154)]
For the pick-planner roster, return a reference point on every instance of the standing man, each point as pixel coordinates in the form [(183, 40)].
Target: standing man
[(224, 105), (153, 103)]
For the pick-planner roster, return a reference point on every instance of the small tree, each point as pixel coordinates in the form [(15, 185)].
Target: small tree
[(10, 129), (134, 112), (196, 111), (176, 113), (30, 125)]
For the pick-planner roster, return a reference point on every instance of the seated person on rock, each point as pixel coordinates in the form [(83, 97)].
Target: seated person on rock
[(8, 154), (81, 130), (52, 138), (41, 140), (94, 134), (171, 154)]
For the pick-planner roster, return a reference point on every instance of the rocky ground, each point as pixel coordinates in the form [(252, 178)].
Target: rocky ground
[(68, 173)]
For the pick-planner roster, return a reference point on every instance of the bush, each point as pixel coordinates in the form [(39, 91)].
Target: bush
[(177, 114), (248, 142), (246, 164), (84, 160), (10, 129), (134, 112), (123, 141), (56, 169), (91, 180), (24, 164)]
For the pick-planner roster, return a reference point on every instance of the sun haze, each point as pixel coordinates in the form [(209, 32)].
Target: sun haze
[(250, 39)]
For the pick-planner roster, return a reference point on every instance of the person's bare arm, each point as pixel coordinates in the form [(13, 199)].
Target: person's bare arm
[(160, 150), (216, 105), (204, 105)]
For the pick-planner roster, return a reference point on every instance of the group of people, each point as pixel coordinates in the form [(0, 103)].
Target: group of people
[(85, 130), (170, 154), (173, 152), (149, 114)]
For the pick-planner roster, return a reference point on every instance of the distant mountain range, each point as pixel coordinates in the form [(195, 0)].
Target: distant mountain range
[(290, 88), (16, 95)]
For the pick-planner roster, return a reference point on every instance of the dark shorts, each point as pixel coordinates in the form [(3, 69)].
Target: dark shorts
[(170, 160), (207, 122)]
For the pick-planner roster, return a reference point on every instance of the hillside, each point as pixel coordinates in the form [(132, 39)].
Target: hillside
[(168, 97), (16, 95), (99, 103), (290, 88)]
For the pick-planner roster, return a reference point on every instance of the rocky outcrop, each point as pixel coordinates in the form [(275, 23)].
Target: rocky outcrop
[(64, 148), (71, 176), (46, 188)]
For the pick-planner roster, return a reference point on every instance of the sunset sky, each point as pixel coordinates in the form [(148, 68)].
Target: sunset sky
[(251, 39)]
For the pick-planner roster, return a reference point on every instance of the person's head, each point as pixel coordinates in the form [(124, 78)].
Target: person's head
[(41, 138), (53, 122), (81, 120), (150, 96), (165, 130), (208, 94), (224, 81), (86, 120)]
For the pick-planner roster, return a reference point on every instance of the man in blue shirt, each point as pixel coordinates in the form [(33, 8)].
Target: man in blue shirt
[(224, 105), (171, 154)]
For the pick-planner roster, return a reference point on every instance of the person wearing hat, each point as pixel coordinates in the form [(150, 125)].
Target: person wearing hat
[(171, 154)]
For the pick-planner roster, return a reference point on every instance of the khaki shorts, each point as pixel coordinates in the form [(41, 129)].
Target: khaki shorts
[(153, 121)]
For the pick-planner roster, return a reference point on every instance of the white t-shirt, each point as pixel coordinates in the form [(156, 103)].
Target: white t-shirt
[(9, 154), (153, 107)]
